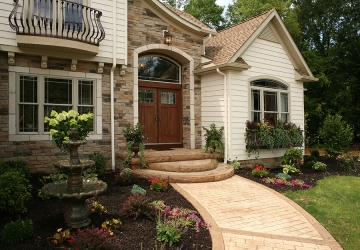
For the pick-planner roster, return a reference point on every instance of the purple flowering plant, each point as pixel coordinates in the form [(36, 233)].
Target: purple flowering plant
[(282, 181)]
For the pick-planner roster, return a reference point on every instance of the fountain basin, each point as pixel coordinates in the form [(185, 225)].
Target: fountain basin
[(76, 214)]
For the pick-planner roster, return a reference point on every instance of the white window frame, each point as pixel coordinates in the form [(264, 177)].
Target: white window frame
[(278, 96), (14, 88)]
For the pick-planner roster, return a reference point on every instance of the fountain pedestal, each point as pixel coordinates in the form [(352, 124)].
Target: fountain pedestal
[(75, 190)]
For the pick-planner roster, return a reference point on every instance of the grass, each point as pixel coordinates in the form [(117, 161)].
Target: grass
[(335, 203)]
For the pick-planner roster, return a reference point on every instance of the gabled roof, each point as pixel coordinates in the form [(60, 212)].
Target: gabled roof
[(228, 46), (179, 18), (226, 43)]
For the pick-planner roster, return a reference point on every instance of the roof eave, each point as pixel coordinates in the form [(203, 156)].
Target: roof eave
[(225, 66), (160, 8), (306, 78)]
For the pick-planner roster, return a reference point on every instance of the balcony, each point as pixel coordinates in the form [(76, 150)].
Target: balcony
[(57, 25)]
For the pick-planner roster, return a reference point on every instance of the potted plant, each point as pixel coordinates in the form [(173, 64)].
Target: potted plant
[(60, 125), (213, 140), (134, 143)]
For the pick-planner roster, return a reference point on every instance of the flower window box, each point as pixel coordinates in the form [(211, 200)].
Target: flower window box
[(268, 135)]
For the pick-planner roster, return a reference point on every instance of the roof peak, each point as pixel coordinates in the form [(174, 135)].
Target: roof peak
[(247, 20)]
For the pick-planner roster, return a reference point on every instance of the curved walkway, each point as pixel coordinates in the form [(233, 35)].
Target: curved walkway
[(248, 215)]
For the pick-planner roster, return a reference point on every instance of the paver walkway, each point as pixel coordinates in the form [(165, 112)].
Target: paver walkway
[(248, 215)]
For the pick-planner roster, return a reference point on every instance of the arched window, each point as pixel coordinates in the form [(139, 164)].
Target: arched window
[(269, 100), (160, 69)]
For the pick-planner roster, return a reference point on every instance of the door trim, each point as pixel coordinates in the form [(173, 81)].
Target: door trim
[(183, 58)]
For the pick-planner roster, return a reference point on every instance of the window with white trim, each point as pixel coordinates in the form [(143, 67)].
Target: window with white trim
[(38, 95), (269, 100)]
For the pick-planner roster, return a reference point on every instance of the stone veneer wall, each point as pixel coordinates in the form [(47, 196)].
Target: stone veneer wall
[(41, 155), (144, 28), (268, 162)]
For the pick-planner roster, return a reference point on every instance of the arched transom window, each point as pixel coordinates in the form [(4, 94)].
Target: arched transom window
[(269, 100), (160, 69)]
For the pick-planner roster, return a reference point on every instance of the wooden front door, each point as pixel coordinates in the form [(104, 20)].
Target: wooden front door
[(161, 114)]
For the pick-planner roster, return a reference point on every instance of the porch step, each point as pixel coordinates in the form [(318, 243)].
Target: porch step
[(221, 172), (185, 166), (173, 155)]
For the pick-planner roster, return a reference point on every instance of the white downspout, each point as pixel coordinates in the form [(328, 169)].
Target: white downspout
[(112, 112), (226, 115)]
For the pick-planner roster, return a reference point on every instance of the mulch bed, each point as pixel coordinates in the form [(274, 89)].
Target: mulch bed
[(48, 216), (307, 175)]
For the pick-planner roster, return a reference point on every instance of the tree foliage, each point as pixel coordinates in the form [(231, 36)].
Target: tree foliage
[(331, 46), (208, 12), (178, 4)]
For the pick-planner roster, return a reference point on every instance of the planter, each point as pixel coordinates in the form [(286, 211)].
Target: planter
[(135, 148)]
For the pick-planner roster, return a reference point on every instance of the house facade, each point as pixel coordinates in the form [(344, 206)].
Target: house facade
[(109, 57)]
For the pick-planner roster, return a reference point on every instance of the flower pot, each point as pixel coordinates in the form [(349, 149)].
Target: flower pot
[(135, 148)]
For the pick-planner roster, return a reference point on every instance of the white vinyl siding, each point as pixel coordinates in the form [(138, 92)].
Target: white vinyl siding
[(212, 101), (8, 35), (268, 60)]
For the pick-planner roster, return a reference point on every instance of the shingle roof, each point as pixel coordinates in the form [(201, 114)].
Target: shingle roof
[(186, 16), (226, 43)]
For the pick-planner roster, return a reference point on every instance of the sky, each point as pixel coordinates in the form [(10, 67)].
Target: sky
[(223, 2)]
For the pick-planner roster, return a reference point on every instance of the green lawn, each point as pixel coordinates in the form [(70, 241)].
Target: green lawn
[(335, 203)]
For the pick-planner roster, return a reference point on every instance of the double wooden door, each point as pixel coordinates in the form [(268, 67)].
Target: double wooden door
[(161, 114)]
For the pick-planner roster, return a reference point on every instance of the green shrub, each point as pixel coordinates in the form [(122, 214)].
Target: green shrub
[(138, 205), (15, 191), (292, 156), (100, 163), (311, 158), (315, 153), (319, 166), (18, 165), (348, 161), (93, 239), (138, 190), (283, 176), (168, 232), (53, 177), (290, 169), (336, 135), (213, 140), (17, 231), (125, 177)]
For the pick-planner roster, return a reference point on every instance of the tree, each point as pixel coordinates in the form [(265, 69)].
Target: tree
[(208, 12), (241, 10), (331, 46), (336, 135), (178, 4)]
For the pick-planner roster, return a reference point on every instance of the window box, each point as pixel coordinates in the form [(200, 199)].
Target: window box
[(266, 135)]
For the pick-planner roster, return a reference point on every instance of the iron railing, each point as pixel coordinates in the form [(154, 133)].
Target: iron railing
[(57, 18)]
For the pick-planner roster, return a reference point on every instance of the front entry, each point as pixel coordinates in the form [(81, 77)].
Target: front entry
[(160, 111)]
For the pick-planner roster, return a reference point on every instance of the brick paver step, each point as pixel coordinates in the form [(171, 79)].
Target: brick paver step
[(185, 166), (221, 172)]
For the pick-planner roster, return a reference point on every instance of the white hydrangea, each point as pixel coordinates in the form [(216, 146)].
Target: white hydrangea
[(53, 122), (61, 117), (73, 114)]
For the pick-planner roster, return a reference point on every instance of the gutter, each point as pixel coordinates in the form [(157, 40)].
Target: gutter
[(112, 113), (226, 115)]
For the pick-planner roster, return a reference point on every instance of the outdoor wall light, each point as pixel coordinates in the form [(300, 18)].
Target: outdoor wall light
[(167, 37)]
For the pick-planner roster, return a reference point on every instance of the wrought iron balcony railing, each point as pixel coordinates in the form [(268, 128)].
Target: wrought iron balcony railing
[(57, 18)]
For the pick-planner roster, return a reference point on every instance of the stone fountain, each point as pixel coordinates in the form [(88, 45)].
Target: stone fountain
[(75, 190)]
